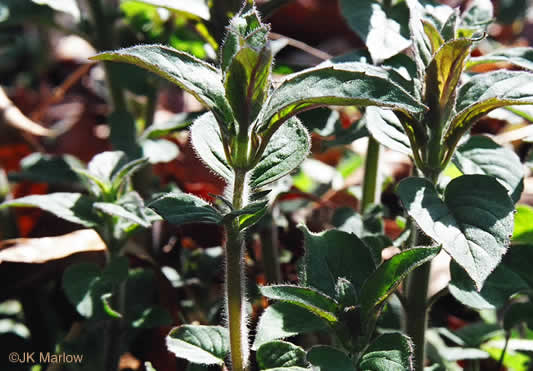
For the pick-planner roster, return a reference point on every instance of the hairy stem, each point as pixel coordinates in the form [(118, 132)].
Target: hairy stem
[(417, 312), (370, 181), (235, 281)]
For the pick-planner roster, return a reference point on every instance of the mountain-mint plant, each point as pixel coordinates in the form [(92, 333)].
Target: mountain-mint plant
[(251, 137)]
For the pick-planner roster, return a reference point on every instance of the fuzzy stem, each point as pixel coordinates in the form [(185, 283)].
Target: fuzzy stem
[(235, 281), (370, 181)]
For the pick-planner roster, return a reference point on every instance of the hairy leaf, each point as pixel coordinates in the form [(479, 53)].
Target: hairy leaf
[(360, 85), (207, 345), (387, 129), (521, 57), (285, 151), (481, 155), (281, 320), (198, 78), (388, 352), (308, 298), (182, 208), (334, 254), (485, 92), (276, 354), (207, 142), (473, 223)]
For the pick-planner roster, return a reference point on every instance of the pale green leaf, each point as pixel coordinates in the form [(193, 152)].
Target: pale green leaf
[(326, 358), (278, 354), (388, 352), (182, 208), (159, 150), (387, 129), (523, 225)]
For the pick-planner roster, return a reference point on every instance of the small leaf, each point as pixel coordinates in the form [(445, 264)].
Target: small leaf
[(78, 281), (207, 345), (310, 299), (45, 168), (326, 358), (176, 123), (248, 215), (277, 354), (473, 223), (433, 35), (207, 142), (285, 151), (477, 16), (334, 254), (387, 129), (74, 207), (182, 208), (481, 155), (149, 366), (389, 275), (388, 352), (247, 82), (196, 77), (119, 211), (520, 57), (484, 93), (380, 33), (107, 306), (281, 320), (355, 85)]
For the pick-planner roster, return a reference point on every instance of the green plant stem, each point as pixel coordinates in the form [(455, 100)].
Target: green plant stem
[(114, 330), (270, 249), (235, 281), (502, 356), (370, 181)]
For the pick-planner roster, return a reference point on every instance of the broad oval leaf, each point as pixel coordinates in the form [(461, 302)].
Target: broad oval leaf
[(74, 207), (388, 352), (326, 358), (332, 254), (316, 302), (183, 208), (207, 142), (358, 85), (481, 155), (484, 93), (277, 354), (474, 222), (285, 151), (207, 345), (281, 320), (198, 78), (387, 129), (389, 275), (381, 34)]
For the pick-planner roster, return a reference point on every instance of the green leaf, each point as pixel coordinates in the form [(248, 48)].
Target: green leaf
[(277, 354), (281, 320), (523, 228), (248, 215), (107, 306), (154, 316), (182, 208), (355, 85), (247, 82), (45, 168), (195, 8), (484, 93), (149, 366), (207, 142), (326, 358), (518, 313), (74, 207), (207, 345), (380, 33), (433, 35), (481, 155), (196, 77), (387, 129), (124, 172), (519, 260), (334, 254), (308, 298), (285, 151), (442, 76), (500, 285), (160, 150), (388, 352), (473, 223), (389, 275), (477, 16), (520, 57), (177, 122), (119, 211)]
